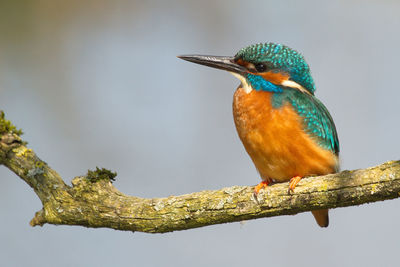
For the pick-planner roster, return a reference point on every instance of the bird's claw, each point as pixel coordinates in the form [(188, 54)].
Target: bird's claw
[(293, 182), (260, 186)]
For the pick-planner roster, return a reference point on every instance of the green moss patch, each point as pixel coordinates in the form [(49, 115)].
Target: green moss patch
[(7, 127), (101, 174)]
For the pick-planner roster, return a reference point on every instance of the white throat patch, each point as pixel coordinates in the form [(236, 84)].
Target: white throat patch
[(246, 86)]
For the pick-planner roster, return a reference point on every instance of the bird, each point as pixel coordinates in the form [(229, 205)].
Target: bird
[(287, 132)]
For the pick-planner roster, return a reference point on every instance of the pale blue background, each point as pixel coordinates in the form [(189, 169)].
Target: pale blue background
[(97, 83)]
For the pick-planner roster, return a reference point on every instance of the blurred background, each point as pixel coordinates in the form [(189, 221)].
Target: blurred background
[(97, 83)]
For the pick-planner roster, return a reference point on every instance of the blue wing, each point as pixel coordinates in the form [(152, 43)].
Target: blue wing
[(318, 123)]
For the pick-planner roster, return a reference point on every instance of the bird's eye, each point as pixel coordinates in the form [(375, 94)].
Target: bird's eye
[(260, 67)]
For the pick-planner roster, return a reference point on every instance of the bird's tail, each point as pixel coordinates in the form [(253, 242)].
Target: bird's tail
[(322, 217)]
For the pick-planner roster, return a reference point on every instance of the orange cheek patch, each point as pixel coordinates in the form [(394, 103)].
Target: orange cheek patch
[(245, 64), (275, 78)]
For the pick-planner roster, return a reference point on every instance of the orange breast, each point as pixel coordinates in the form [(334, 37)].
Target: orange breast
[(275, 140)]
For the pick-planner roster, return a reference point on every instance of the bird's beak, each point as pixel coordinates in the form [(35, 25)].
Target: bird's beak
[(218, 62)]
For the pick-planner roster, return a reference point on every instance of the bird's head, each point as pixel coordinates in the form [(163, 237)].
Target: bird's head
[(267, 67)]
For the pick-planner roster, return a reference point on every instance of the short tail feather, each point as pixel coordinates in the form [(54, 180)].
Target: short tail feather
[(322, 217)]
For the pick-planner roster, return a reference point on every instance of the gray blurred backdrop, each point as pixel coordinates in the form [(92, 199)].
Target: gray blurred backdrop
[(97, 83)]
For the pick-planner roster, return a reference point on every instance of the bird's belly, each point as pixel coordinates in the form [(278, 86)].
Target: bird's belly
[(275, 139)]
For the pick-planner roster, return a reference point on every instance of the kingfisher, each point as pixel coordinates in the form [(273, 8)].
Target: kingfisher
[(287, 132)]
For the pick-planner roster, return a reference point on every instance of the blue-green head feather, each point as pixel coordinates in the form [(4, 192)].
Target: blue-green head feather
[(277, 58)]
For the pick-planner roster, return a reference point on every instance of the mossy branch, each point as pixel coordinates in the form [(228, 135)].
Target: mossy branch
[(92, 200)]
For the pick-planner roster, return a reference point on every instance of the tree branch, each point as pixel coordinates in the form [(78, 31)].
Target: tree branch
[(93, 201)]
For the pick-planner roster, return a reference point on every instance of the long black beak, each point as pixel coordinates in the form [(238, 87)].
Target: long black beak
[(218, 62)]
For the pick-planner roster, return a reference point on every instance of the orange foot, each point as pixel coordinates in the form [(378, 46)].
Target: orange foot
[(293, 182), (260, 186)]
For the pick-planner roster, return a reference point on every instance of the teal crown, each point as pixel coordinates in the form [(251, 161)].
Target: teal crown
[(280, 58)]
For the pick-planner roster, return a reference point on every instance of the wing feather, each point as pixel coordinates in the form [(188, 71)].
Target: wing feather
[(317, 121)]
